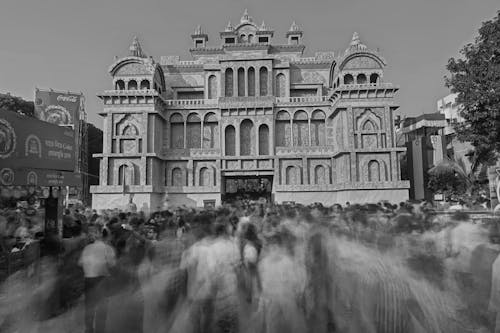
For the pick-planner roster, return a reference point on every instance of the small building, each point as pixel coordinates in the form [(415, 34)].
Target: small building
[(425, 142)]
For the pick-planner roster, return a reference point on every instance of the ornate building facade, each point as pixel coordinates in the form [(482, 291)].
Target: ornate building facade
[(249, 117)]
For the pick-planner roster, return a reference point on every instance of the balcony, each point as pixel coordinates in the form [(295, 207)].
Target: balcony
[(191, 102), (301, 100)]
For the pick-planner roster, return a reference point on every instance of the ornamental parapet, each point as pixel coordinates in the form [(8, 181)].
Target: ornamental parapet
[(191, 152), (190, 103), (343, 186), (308, 100), (369, 90), (309, 150), (246, 102)]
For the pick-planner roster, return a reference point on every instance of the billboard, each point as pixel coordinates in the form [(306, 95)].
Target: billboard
[(27, 142), (60, 108), (38, 177)]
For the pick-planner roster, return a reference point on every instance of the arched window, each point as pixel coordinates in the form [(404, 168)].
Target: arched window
[(177, 177), (361, 79), (212, 87), (229, 83), (123, 177), (263, 140), (205, 177), (320, 176), (373, 171), (369, 126), (193, 131), (283, 132), (176, 131), (293, 175), (120, 85), (348, 79), (132, 85), (263, 81), (338, 81), (374, 78), (300, 129), (251, 81), (210, 130), (145, 85), (251, 38), (318, 136), (280, 85), (230, 140), (246, 144), (241, 81)]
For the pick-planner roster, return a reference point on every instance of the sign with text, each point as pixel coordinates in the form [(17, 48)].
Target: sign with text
[(38, 177), (27, 142), (57, 107)]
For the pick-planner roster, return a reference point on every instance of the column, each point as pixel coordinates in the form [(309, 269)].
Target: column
[(235, 82), (305, 172), (246, 80), (202, 134), (237, 138), (270, 86), (185, 132), (309, 126)]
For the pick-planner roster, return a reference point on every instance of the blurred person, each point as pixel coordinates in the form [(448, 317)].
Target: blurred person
[(96, 260)]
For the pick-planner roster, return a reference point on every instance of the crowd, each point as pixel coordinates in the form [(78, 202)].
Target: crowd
[(253, 267)]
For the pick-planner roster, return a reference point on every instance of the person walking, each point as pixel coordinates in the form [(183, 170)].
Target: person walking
[(96, 260)]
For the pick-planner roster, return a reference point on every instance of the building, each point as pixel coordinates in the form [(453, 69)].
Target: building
[(424, 138), (249, 117)]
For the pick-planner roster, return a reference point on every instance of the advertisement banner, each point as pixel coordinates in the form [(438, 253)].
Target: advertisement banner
[(27, 142), (38, 177), (57, 107)]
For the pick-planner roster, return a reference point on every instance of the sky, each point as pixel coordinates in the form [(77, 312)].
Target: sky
[(70, 44)]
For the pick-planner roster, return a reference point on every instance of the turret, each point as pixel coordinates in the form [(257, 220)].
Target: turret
[(199, 38), (294, 35)]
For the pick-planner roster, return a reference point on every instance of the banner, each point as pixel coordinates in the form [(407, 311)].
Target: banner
[(57, 107), (38, 177), (27, 142)]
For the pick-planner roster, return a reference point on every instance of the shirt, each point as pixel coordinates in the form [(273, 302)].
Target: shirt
[(96, 259)]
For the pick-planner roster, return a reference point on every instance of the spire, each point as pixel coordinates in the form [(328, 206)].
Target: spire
[(263, 27), (198, 30), (229, 26), (136, 49), (294, 27), (356, 43), (246, 18)]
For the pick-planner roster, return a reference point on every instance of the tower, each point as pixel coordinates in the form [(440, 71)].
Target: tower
[(294, 35)]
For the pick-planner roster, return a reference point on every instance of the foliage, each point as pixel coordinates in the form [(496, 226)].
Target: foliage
[(476, 79), (17, 104), (447, 182)]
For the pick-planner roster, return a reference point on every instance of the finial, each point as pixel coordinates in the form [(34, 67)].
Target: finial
[(229, 26), (198, 30), (263, 26), (355, 39), (246, 18), (294, 27), (356, 43), (136, 49)]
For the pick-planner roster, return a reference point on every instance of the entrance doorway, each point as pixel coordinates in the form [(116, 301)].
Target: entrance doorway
[(247, 188)]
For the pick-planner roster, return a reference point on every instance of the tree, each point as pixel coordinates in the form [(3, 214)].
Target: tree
[(17, 104), (448, 182), (476, 79)]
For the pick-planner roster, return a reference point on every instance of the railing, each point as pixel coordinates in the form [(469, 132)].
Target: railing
[(131, 92), (301, 99), (187, 102)]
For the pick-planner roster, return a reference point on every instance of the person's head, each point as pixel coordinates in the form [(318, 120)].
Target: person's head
[(94, 233)]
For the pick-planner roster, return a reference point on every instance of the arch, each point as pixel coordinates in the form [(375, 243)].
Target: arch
[(177, 178), (120, 85), (130, 130), (241, 81), (193, 131), (263, 139), (283, 124), (361, 79), (246, 138), (332, 73), (228, 86), (280, 85), (320, 175), (368, 114), (251, 38), (348, 79), (132, 85), (263, 81), (293, 175), (318, 128), (205, 177), (374, 171), (212, 87), (126, 174), (210, 130), (377, 61), (145, 85), (300, 129), (176, 131), (368, 125), (251, 81), (230, 140), (374, 78)]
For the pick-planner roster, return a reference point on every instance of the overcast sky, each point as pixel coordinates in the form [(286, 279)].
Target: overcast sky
[(69, 44)]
